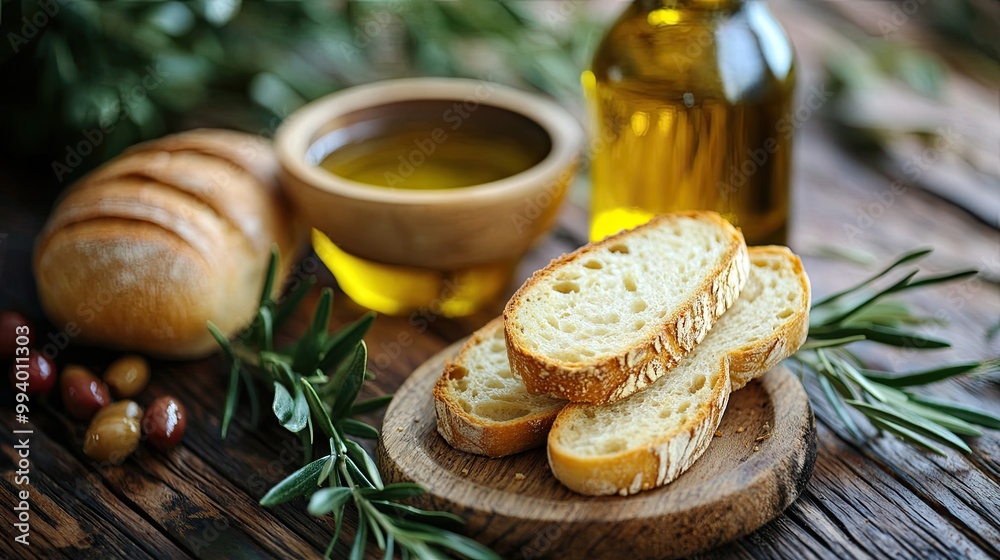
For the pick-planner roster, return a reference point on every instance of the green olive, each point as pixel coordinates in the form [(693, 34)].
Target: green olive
[(127, 376), (114, 432)]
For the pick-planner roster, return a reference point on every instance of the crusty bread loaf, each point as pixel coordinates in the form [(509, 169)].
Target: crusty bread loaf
[(482, 407), (650, 438), (146, 249), (603, 322)]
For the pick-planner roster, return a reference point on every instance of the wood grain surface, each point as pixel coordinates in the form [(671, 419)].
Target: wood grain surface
[(869, 497), (515, 505)]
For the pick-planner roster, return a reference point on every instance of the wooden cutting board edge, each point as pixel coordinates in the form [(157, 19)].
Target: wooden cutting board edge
[(649, 525)]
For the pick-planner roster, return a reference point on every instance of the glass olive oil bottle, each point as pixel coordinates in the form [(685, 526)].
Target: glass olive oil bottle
[(690, 103)]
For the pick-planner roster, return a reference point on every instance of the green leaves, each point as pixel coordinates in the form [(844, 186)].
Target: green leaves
[(920, 377), (292, 412), (861, 313), (298, 484), (305, 396)]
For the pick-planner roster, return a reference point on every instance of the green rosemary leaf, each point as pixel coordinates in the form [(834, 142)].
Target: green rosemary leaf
[(266, 329), (830, 343), (360, 541), (396, 491), (326, 500), (423, 515), (233, 392), (907, 435), (908, 257), (318, 410), (338, 519), (227, 348), (918, 377), (252, 394), (946, 421), (364, 460), (890, 313), (292, 301), (390, 548), (879, 392), (374, 528), (307, 445), (272, 271), (331, 462), (300, 412), (341, 344), (948, 277), (355, 377), (911, 421), (300, 483), (844, 315), (357, 428), (283, 404), (971, 415), (838, 407), (307, 349), (370, 405), (452, 541), (884, 335)]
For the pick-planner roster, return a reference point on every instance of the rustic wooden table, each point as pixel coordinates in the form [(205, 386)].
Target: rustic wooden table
[(871, 497)]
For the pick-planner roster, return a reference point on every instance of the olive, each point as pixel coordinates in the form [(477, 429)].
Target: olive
[(127, 376), (83, 394), (164, 423), (37, 373), (114, 432), (13, 326)]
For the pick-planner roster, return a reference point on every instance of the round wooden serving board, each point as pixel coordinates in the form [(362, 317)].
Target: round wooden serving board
[(738, 485)]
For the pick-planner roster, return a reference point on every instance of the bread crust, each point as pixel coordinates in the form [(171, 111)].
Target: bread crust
[(144, 251), (611, 378), (660, 460), (641, 467), (468, 433)]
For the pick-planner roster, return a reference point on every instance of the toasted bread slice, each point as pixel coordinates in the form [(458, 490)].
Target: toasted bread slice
[(603, 322), (482, 407), (650, 438)]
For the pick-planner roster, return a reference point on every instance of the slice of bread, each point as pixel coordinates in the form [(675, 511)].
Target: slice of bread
[(650, 438), (482, 407), (603, 322)]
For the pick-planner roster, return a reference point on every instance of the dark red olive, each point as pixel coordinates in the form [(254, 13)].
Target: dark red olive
[(83, 393), (164, 423), (34, 376), (15, 331)]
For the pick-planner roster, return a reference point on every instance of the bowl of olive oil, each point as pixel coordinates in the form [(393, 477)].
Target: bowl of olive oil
[(424, 193)]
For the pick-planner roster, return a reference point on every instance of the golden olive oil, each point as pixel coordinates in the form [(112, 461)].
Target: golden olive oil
[(401, 149), (691, 107)]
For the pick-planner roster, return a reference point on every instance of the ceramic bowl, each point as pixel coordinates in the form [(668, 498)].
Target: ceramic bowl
[(442, 229)]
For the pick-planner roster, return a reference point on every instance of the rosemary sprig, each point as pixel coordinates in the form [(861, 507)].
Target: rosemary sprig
[(308, 398), (885, 399)]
